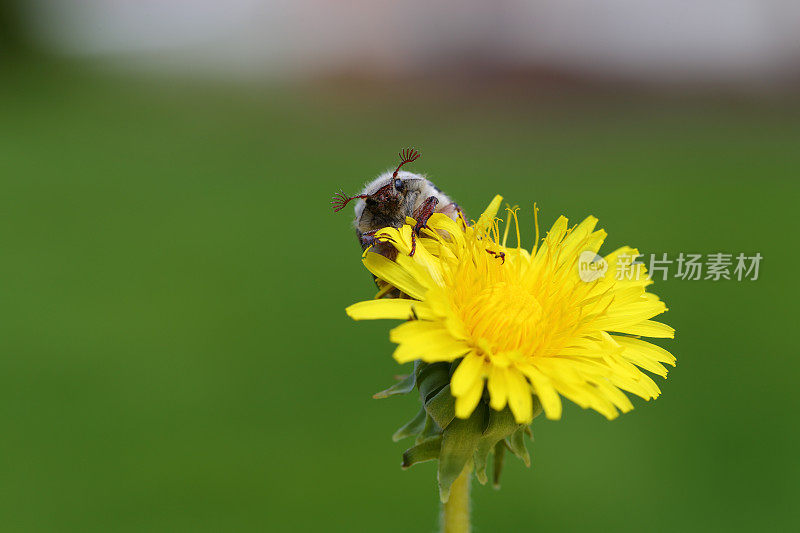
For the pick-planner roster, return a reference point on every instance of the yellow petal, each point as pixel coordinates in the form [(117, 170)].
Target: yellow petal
[(391, 272), (628, 315), (551, 240), (467, 402), (389, 308), (557, 231), (642, 385), (428, 341), (649, 350), (519, 397), (547, 394), (578, 237), (616, 396), (431, 352), (649, 328), (596, 240), (498, 388), (399, 238), (487, 217), (447, 228), (468, 372)]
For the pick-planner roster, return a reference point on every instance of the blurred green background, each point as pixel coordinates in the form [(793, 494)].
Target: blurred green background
[(175, 353)]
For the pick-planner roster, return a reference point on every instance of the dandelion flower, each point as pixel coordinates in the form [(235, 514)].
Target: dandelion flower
[(521, 323)]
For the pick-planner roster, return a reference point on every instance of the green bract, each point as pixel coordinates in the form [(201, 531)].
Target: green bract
[(456, 443)]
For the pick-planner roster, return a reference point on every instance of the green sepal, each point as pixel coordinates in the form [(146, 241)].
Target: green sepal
[(431, 379), (501, 425), (427, 450), (430, 430), (480, 465), (459, 440), (537, 410), (457, 443), (412, 427), (516, 443), (403, 386), (499, 455), (442, 407)]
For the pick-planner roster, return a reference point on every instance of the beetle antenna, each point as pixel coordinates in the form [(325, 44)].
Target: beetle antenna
[(406, 156), (340, 200)]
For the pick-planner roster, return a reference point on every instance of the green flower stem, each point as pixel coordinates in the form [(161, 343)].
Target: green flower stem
[(455, 513)]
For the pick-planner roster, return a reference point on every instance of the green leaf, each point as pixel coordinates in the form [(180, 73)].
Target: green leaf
[(501, 425), (442, 407), (516, 443), (424, 451), (412, 427), (459, 440)]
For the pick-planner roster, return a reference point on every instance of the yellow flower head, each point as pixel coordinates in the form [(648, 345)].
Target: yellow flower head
[(524, 322)]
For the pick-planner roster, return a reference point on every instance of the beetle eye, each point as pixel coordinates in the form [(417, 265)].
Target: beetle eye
[(398, 183)]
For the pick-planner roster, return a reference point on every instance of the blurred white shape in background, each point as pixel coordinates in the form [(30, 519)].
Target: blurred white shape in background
[(660, 40)]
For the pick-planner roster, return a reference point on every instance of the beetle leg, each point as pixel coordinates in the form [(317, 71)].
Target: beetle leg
[(498, 255), (421, 215), (368, 238)]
